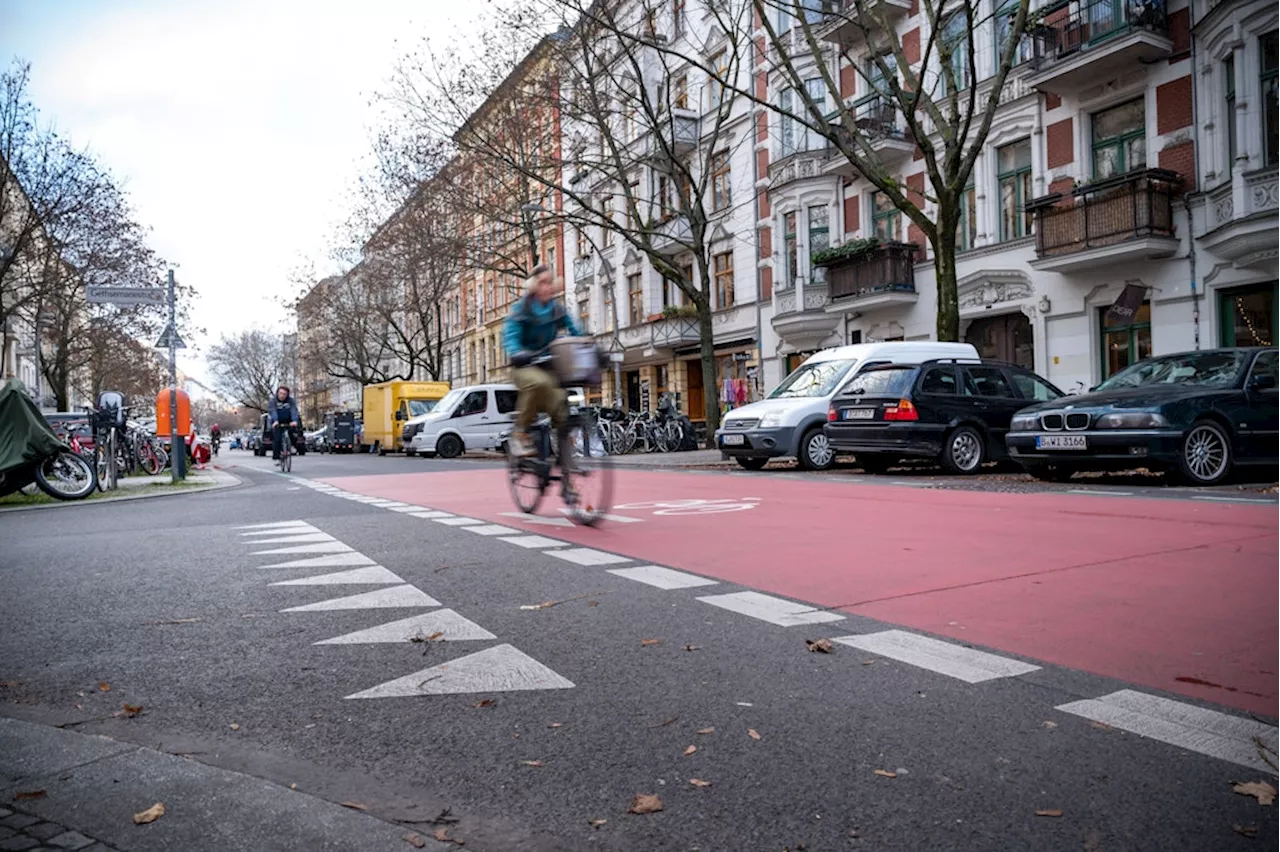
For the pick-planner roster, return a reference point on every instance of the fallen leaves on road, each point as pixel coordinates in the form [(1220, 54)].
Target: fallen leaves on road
[(5, 684), (173, 621), (644, 803), (485, 702), (129, 711), (1245, 830), (691, 647), (666, 722), (235, 726), (1049, 812), (1260, 790), (596, 823), (556, 725), (355, 806), (885, 773), (690, 750), (593, 603), (698, 782), (534, 763), (442, 834), (1049, 725), (151, 814), (543, 605), (1101, 726), (104, 687), (549, 604), (29, 794), (645, 643), (753, 733), (433, 637), (415, 841), (706, 730), (822, 645), (868, 662)]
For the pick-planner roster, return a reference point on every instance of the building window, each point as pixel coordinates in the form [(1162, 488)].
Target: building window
[(967, 230), (789, 245), (816, 88), (584, 313), (635, 299), (1125, 343), (1248, 315), (665, 210), (819, 238), (1014, 175), (1004, 30), (723, 266), (720, 195), (954, 43), (670, 293), (1267, 47), (1229, 83), (680, 92), (720, 62), (884, 218), (678, 22), (633, 202), (606, 211), (1119, 139), (584, 243), (788, 134)]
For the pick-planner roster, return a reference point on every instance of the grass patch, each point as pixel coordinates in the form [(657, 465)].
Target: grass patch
[(40, 498)]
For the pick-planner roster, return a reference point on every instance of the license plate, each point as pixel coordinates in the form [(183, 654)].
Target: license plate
[(858, 413), (736, 440), (1061, 442)]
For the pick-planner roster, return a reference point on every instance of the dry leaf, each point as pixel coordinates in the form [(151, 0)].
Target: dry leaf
[(30, 794), (666, 722), (442, 834), (596, 823), (698, 782), (822, 645), (531, 763), (234, 726), (131, 710), (355, 806), (1245, 830), (884, 773), (1260, 790), (1050, 812), (293, 786), (593, 603), (706, 730), (1049, 725), (1101, 726), (644, 643), (8, 683), (434, 636), (415, 841), (556, 725), (151, 814), (104, 687), (753, 733), (868, 662), (643, 803), (691, 647), (690, 750), (485, 702), (542, 605)]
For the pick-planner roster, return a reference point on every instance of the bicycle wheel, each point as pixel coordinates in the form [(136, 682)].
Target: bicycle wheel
[(100, 467), (148, 460), (66, 476), (525, 479), (286, 461), (588, 486)]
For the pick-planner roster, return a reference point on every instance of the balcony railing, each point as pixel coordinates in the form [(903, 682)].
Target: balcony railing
[(877, 118), (888, 268), (674, 331), (1116, 210), (1068, 28)]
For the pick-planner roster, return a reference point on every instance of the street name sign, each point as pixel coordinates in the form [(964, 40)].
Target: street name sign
[(126, 295)]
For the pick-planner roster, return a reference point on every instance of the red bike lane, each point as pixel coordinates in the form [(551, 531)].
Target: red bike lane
[(1171, 594)]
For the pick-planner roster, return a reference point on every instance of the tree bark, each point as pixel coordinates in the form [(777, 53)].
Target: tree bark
[(944, 267)]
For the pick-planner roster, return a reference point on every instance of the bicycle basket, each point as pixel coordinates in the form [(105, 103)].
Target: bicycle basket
[(575, 361)]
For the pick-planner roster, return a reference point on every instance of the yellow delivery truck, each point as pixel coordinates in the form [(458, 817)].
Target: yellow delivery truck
[(388, 405)]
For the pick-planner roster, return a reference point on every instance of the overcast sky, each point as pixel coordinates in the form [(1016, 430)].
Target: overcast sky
[(236, 125)]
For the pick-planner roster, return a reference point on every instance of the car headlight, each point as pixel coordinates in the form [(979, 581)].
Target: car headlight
[(1024, 423), (772, 418), (1131, 420)]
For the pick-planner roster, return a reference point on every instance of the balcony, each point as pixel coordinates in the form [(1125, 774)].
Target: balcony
[(1241, 216), (879, 120), (673, 235), (799, 165), (840, 25), (805, 325), (1118, 220), (672, 332), (680, 134), (583, 269), (879, 276), (1078, 45)]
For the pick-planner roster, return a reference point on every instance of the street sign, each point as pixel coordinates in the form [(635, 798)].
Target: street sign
[(125, 295), (170, 337)]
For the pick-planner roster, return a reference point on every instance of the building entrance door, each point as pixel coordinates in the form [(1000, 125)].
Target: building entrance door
[(1007, 337)]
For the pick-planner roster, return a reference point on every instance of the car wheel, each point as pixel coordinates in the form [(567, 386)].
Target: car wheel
[(449, 447), (1206, 454), (964, 451), (751, 464), (815, 451), (874, 463), (1050, 472)]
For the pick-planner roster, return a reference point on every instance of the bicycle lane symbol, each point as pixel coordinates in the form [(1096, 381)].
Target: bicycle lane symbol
[(692, 506)]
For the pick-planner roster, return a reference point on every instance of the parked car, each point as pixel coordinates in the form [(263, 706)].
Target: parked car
[(954, 410), (469, 418), (1199, 414), (789, 422), (316, 441)]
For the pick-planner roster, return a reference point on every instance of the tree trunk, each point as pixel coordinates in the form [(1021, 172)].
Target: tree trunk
[(944, 267)]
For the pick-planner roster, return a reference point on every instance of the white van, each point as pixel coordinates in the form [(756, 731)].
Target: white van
[(789, 421), (470, 418)]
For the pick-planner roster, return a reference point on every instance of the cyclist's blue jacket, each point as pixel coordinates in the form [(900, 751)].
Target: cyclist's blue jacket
[(283, 412), (532, 325)]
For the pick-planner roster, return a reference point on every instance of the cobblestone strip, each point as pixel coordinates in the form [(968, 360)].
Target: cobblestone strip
[(21, 832)]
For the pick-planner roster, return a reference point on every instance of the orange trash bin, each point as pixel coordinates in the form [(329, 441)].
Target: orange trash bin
[(163, 429)]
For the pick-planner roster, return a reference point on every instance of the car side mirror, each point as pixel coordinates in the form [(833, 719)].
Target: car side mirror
[(1262, 381), (400, 415)]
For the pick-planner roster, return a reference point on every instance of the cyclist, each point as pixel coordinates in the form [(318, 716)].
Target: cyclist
[(215, 437), (533, 323), (283, 417)]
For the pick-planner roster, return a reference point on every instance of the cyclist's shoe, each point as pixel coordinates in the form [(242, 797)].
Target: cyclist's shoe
[(518, 446)]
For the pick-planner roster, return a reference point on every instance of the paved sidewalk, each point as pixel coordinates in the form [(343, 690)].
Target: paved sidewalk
[(65, 790), (691, 458)]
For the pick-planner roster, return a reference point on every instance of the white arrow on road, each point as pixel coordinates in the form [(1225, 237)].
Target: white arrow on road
[(371, 575), (302, 538), (335, 561), (499, 669), (328, 547), (396, 596), (274, 525), (454, 628)]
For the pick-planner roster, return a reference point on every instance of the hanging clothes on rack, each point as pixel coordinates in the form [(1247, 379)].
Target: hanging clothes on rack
[(740, 391)]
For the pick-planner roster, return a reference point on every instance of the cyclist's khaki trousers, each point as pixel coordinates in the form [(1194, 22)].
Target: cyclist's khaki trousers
[(539, 391)]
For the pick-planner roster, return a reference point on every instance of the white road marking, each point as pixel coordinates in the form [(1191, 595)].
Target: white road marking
[(454, 627), (457, 522), (301, 538), (391, 598), (531, 541), (502, 668), (1098, 491), (587, 556), (777, 611), (491, 529), (407, 508), (1228, 499), (371, 575), (537, 520), (275, 525), (957, 661), (326, 547), (429, 515), (1186, 726), (392, 504), (251, 537), (332, 561), (663, 578)]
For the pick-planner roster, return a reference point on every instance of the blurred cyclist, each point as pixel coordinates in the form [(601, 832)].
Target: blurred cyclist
[(283, 416)]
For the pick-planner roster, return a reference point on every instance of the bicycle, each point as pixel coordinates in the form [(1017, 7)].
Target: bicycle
[(586, 482), (286, 449)]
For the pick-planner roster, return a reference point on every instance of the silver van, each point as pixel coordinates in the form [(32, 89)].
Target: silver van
[(469, 418)]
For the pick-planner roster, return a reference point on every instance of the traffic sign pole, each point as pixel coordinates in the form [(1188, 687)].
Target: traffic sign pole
[(177, 457)]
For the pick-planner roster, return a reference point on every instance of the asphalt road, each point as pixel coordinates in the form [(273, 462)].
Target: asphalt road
[(533, 725)]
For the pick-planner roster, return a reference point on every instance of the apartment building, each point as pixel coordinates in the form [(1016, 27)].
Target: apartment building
[(1134, 146)]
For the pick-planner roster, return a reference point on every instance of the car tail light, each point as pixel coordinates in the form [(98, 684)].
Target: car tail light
[(904, 410), (832, 414)]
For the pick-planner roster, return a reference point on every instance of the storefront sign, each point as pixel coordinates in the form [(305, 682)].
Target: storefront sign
[(1126, 305)]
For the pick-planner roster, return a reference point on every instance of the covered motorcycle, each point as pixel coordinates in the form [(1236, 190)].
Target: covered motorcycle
[(31, 452)]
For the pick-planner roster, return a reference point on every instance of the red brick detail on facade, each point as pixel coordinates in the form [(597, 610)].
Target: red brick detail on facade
[(911, 46), (917, 155), (760, 51), (915, 189), (766, 283), (850, 214), (766, 243), (762, 164), (1062, 185), (848, 81), (1059, 144), (1180, 33), (1181, 158), (915, 235), (762, 127), (766, 208), (915, 7), (1173, 105), (1051, 101), (762, 86)]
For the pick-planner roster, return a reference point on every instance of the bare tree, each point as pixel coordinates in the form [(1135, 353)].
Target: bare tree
[(119, 362), (248, 366)]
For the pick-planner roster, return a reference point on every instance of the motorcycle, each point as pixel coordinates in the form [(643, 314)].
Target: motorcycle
[(31, 453)]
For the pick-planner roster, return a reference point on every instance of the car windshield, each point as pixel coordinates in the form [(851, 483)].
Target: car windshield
[(448, 402), (893, 381), (423, 406), (1203, 369), (819, 378)]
